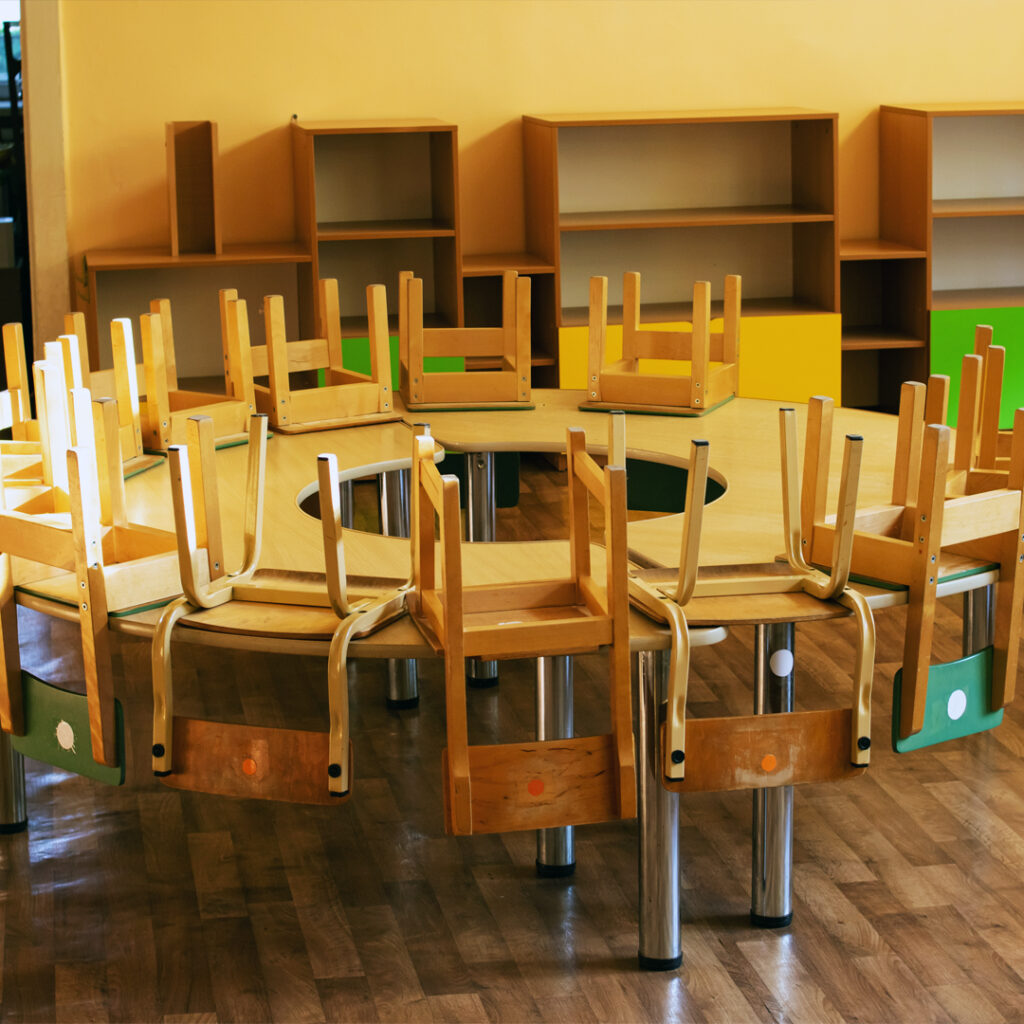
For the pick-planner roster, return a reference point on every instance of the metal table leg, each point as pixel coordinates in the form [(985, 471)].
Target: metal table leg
[(480, 526), (13, 808), (658, 814), (771, 900), (393, 492), (978, 619), (556, 855)]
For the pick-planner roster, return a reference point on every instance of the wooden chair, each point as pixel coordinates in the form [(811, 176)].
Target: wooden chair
[(918, 542), (508, 386), (621, 384), (349, 398), (548, 783), (162, 417), (761, 751), (23, 426), (117, 567), (297, 765)]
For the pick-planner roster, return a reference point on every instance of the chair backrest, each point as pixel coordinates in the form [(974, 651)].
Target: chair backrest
[(509, 344), (23, 428)]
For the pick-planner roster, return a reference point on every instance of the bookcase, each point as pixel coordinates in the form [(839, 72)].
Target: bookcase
[(373, 199), (687, 195), (951, 185)]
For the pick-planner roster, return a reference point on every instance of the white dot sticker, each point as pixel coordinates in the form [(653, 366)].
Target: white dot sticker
[(65, 736), (781, 663), (956, 705)]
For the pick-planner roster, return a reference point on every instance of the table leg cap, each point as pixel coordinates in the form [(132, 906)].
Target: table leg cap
[(654, 963), (555, 870), (759, 921), (9, 829)]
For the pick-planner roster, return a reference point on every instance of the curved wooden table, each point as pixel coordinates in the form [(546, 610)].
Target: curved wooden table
[(744, 525)]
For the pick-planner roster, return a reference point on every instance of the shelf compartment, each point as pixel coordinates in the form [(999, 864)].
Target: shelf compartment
[(858, 339), (147, 259), (786, 264), (877, 249), (984, 206), (978, 298), (977, 252), (490, 264), (882, 303), (363, 262), (693, 217)]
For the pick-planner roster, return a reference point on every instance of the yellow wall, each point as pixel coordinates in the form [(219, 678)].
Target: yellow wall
[(131, 65)]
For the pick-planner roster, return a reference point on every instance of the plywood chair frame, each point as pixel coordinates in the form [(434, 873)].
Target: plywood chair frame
[(506, 387), (78, 523), (298, 765), (621, 384), (761, 751), (348, 398), (904, 544), (547, 783)]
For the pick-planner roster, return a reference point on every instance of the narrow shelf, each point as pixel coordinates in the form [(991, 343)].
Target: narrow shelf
[(856, 339), (493, 264), (877, 249), (712, 216), (233, 255), (359, 230), (679, 312), (978, 298), (997, 206)]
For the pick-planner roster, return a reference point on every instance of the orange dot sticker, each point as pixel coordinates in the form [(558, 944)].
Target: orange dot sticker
[(768, 763), (249, 766), (535, 787)]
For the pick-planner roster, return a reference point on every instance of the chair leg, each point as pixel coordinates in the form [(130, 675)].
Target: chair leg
[(163, 688)]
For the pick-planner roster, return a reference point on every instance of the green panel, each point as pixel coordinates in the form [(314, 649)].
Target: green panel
[(355, 355), (657, 487), (57, 731), (952, 337), (961, 687)]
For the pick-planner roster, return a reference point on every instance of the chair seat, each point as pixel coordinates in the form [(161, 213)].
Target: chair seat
[(258, 618)]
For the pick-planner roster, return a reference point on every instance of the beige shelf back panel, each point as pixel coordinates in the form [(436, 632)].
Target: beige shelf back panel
[(978, 157), (193, 292), (372, 177), (377, 261), (656, 167), (977, 252), (669, 263)]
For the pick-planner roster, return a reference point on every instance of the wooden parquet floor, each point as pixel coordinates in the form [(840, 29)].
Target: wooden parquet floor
[(141, 903)]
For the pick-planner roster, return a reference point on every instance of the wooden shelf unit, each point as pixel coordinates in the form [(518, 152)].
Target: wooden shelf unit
[(374, 198), (681, 195), (951, 184)]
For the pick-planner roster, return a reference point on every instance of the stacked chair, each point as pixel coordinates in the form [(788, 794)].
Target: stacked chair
[(761, 751), (547, 783), (75, 520), (508, 346), (713, 355), (921, 538), (300, 766), (349, 398)]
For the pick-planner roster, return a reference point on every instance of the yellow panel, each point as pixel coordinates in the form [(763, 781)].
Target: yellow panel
[(790, 358)]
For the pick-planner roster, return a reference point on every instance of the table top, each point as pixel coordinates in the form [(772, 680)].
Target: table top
[(743, 525)]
